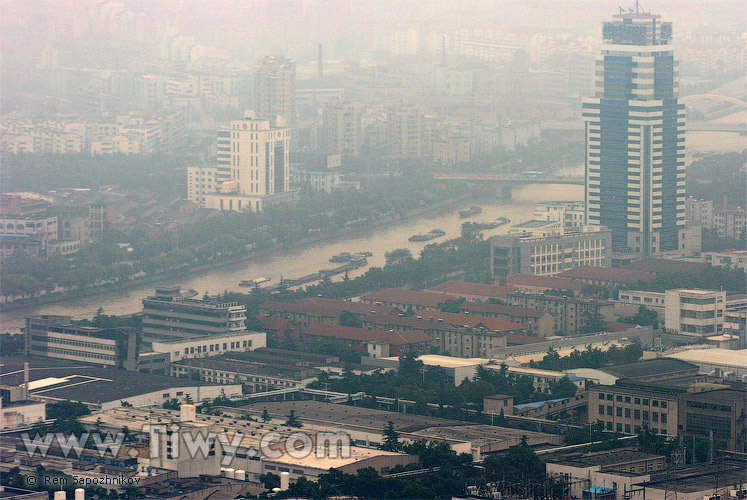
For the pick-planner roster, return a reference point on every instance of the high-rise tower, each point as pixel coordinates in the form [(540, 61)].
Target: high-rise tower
[(635, 137), (275, 90)]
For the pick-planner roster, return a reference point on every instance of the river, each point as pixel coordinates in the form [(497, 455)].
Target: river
[(301, 261)]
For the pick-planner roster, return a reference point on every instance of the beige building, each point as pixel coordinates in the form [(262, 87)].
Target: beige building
[(694, 312), (407, 131), (201, 182), (342, 132), (275, 90), (253, 165)]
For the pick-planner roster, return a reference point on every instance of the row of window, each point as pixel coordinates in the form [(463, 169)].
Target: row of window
[(637, 414), (628, 429), (656, 403)]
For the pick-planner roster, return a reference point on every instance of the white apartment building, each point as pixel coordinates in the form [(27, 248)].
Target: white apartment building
[(201, 182), (571, 213), (651, 300), (253, 165), (694, 312)]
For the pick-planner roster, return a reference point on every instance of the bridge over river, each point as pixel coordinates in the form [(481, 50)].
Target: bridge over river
[(505, 183)]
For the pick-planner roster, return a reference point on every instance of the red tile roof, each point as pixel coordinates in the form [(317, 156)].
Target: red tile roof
[(549, 282), (325, 307), (276, 323), (478, 308), (365, 335), (473, 321), (474, 289), (407, 297), (614, 275)]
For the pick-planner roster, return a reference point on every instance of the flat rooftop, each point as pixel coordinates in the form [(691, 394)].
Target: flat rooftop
[(535, 223), (601, 458), (59, 379), (418, 426), (723, 357)]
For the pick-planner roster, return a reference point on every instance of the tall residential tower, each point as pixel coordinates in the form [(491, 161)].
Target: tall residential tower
[(635, 137), (275, 91)]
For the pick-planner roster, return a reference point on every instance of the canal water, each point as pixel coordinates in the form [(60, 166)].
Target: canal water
[(301, 261)]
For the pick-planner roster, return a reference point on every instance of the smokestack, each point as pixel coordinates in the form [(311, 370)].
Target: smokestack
[(320, 60), (25, 381)]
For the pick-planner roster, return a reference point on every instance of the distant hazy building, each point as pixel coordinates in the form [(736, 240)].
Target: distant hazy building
[(253, 166), (407, 131), (730, 222), (700, 212), (447, 81), (201, 181), (275, 90), (525, 253), (635, 137), (341, 128)]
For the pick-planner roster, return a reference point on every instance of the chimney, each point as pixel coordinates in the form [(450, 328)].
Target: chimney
[(187, 413), (320, 61)]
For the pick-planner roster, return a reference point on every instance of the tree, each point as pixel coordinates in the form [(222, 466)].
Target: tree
[(391, 438), (349, 319), (398, 256), (644, 317), (293, 420), (451, 306), (563, 388), (593, 322), (265, 415)]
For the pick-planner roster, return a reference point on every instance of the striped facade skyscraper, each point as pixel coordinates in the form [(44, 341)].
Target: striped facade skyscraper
[(635, 137)]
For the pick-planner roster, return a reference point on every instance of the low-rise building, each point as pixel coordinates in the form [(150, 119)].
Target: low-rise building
[(532, 283), (57, 337), (407, 299), (699, 211), (483, 338), (571, 213), (604, 474), (305, 312), (606, 276), (570, 313), (260, 370), (376, 343), (535, 321), (735, 259), (720, 412), (172, 313), (694, 312), (726, 363), (549, 254), (473, 292), (52, 380), (498, 404)]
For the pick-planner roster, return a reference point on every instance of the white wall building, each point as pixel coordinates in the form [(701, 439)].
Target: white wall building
[(694, 312), (211, 345), (201, 181), (253, 163), (570, 213)]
